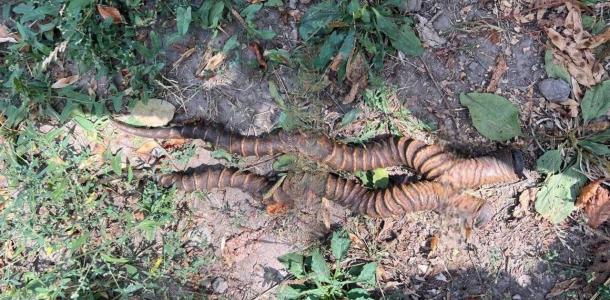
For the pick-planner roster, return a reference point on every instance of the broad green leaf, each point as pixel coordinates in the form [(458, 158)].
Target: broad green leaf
[(549, 162), (204, 13), (492, 115), (339, 244), (595, 148), (264, 34), (113, 260), (275, 94), (183, 19), (596, 102), (553, 69), (250, 11), (284, 163), (288, 292), (328, 50), (349, 117), (293, 263), (601, 137), (78, 242), (403, 39), (555, 200), (85, 124), (131, 270), (317, 18), (230, 44), (378, 178), (345, 51), (274, 3), (319, 266), (33, 14), (358, 294), (116, 163), (367, 275), (216, 13), (353, 7)]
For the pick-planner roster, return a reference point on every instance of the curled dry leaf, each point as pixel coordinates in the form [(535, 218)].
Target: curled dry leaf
[(255, 47), (525, 199), (210, 63), (147, 147), (595, 201), (562, 287), (6, 36), (276, 208), (64, 82), (107, 12), (173, 143), (498, 72), (597, 40), (357, 74)]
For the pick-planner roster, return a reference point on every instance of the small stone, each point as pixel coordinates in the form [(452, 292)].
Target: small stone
[(554, 90), (442, 22), (219, 285), (411, 5)]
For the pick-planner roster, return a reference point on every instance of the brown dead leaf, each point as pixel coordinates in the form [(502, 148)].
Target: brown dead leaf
[(256, 49), (64, 82), (434, 241), (595, 201), (597, 40), (355, 89), (139, 216), (109, 12), (356, 68), (325, 212), (495, 37), (174, 143), (6, 36), (147, 147), (497, 74), (562, 287), (600, 267), (276, 208)]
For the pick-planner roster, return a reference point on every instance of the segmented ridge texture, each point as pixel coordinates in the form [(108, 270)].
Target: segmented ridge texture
[(217, 178), (399, 199), (431, 161)]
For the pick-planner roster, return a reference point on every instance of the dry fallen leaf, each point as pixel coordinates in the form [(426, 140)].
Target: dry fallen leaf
[(276, 208), (6, 36), (356, 73), (255, 47), (155, 113), (109, 12), (595, 201), (325, 212), (562, 287), (497, 74), (64, 82), (147, 147), (173, 143), (597, 40)]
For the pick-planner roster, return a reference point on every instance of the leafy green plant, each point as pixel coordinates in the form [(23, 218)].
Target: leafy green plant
[(577, 155), (493, 116), (69, 229), (342, 26), (318, 280)]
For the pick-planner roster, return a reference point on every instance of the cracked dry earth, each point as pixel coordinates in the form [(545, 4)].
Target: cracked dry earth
[(517, 256)]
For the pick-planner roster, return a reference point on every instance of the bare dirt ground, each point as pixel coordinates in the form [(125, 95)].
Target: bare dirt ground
[(517, 256)]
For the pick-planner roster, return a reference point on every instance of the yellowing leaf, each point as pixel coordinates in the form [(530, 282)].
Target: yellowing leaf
[(155, 113), (64, 82)]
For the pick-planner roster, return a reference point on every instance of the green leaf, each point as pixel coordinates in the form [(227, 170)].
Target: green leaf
[(349, 117), (274, 3), (85, 124), (595, 148), (339, 244), (131, 270), (204, 13), (596, 102), (288, 292), (403, 39), (285, 163), (116, 163), (358, 294), (328, 50), (554, 69), (319, 266), (78, 242), (275, 94), (264, 34), (555, 200), (216, 13), (368, 274), (601, 137), (183, 19), (381, 178), (549, 162), (230, 44), (113, 260), (250, 11), (317, 18), (492, 115), (293, 263)]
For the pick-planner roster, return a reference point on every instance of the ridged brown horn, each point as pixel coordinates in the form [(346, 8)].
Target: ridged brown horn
[(431, 161)]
